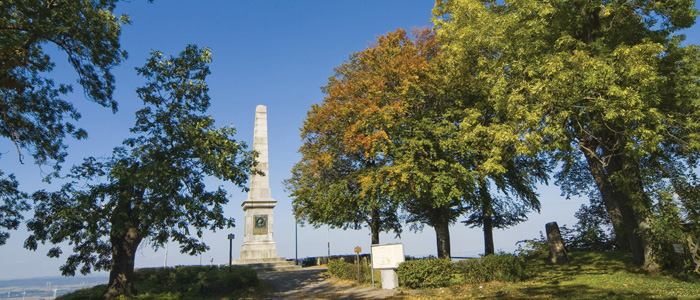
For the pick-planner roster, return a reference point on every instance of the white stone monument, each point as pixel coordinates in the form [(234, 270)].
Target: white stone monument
[(257, 240)]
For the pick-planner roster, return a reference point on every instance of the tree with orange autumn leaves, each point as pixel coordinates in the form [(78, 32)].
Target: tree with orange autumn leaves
[(341, 180), (372, 148), (394, 134)]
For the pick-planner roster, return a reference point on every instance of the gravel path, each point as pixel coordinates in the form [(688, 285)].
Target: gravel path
[(313, 283)]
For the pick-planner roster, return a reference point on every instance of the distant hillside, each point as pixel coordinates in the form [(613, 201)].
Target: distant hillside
[(54, 281), (47, 287)]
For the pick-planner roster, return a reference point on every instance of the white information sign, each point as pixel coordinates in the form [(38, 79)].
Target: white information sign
[(387, 256)]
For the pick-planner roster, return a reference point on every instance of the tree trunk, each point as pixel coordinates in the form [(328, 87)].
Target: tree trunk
[(442, 234), (605, 187), (487, 213), (641, 207), (375, 226), (615, 200), (488, 235), (121, 273), (624, 202)]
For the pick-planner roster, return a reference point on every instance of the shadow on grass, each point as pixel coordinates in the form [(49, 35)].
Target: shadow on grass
[(553, 291), (582, 263), (549, 281)]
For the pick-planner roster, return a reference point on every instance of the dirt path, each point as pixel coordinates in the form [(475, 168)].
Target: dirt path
[(312, 283)]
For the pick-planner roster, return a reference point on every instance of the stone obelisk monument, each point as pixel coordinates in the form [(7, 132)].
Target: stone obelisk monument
[(257, 241)]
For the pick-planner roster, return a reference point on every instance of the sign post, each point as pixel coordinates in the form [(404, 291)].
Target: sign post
[(230, 250), (357, 262), (387, 259)]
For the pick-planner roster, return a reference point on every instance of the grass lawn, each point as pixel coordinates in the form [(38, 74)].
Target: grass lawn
[(608, 275)]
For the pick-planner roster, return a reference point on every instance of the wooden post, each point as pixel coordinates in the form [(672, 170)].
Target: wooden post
[(357, 262)]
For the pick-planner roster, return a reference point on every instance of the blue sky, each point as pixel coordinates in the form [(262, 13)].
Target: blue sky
[(274, 53)]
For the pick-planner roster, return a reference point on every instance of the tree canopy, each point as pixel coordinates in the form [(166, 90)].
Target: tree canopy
[(152, 188), (605, 86), (503, 92), (348, 139), (34, 112)]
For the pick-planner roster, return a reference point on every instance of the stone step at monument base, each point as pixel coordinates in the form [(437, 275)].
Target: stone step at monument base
[(268, 264)]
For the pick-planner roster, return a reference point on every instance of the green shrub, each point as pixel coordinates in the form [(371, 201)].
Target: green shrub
[(345, 270), (534, 248), (194, 280), (175, 283), (502, 267), (341, 269), (425, 273)]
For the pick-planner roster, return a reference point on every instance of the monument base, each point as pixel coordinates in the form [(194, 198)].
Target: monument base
[(258, 250), (270, 264)]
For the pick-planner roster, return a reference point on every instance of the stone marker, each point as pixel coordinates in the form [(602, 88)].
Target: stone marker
[(387, 259), (257, 240), (390, 279), (557, 252)]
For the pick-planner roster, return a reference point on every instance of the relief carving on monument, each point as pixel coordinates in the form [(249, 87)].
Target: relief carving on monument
[(260, 225)]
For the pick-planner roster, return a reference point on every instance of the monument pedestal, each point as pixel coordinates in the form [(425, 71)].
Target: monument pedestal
[(258, 251), (269, 264), (257, 241)]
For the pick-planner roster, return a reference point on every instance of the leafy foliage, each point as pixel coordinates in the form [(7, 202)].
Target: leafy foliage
[(349, 140), (35, 115), (425, 273), (88, 32), (341, 269), (196, 280), (602, 84), (13, 203), (501, 267), (383, 139), (152, 189), (592, 231), (348, 270)]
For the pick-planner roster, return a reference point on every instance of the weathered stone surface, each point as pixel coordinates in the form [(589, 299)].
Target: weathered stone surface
[(557, 252), (258, 240), (269, 264)]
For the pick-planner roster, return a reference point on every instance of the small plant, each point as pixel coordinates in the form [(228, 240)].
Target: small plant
[(425, 273), (345, 270), (341, 269), (532, 248), (501, 267)]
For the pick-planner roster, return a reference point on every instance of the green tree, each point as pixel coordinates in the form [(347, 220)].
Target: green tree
[(517, 197), (431, 169), (34, 113), (151, 189), (605, 84), (336, 199)]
